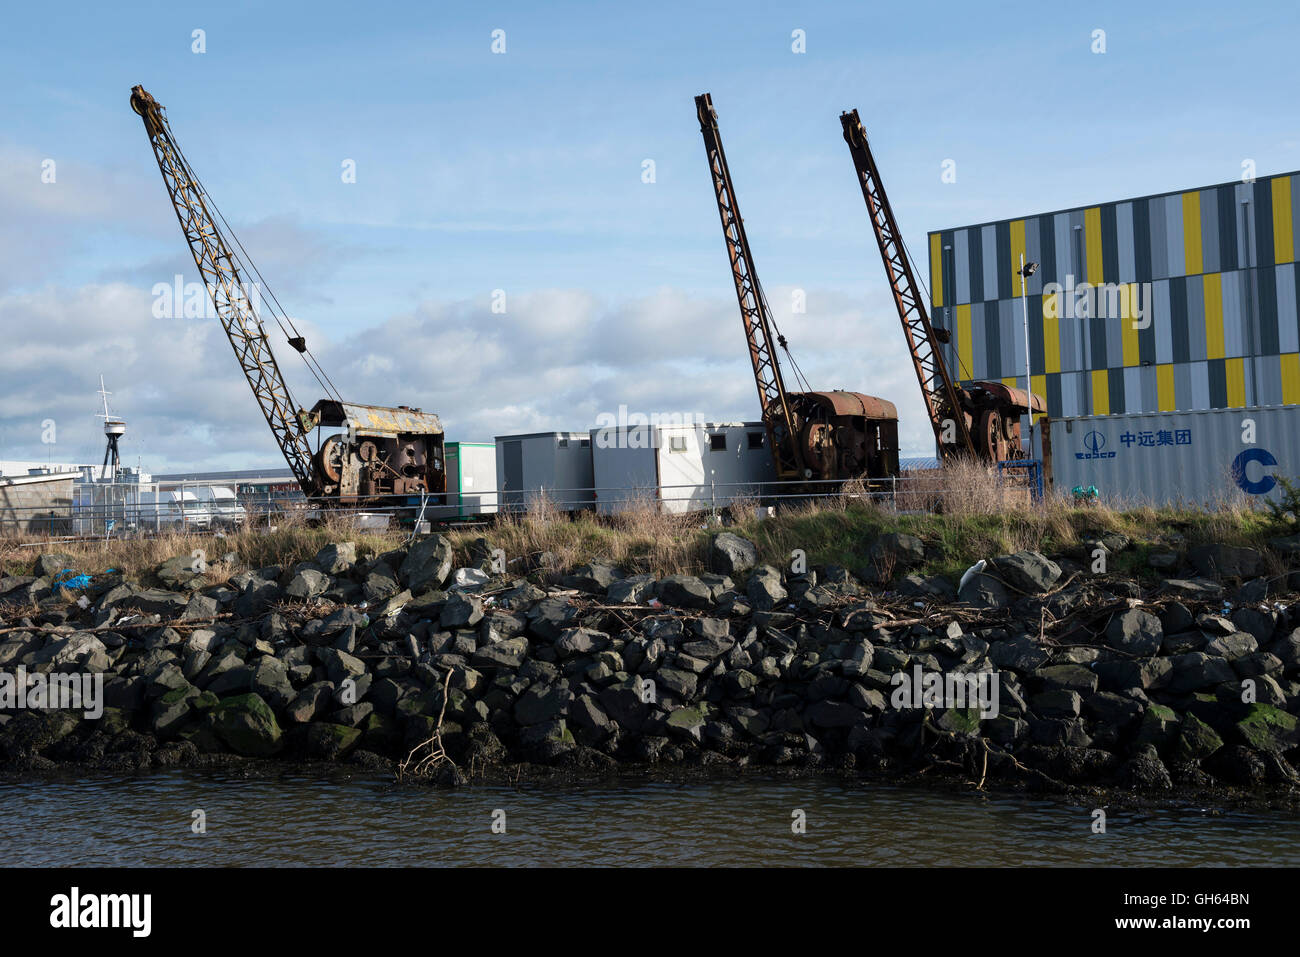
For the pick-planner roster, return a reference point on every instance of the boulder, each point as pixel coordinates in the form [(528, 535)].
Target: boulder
[(337, 558), (729, 554), (427, 564), (1030, 572), (1226, 561), (1136, 632), (247, 725)]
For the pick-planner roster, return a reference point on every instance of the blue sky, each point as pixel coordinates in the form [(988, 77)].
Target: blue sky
[(522, 172)]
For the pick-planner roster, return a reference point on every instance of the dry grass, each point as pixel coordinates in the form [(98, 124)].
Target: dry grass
[(968, 514)]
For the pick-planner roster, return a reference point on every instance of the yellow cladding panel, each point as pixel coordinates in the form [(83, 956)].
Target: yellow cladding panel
[(1213, 315), (1017, 250), (1051, 336), (1092, 236), (1165, 388), (936, 268), (1290, 378), (1100, 392), (1283, 250), (965, 352), (1192, 233), (1128, 325), (1234, 371), (1038, 386)]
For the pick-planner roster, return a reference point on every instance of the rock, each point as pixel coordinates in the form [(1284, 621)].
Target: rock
[(337, 558), (509, 654), (1226, 561), (899, 548), (1196, 670), (1159, 725), (579, 641), (685, 591), (1068, 677), (1057, 704), (339, 664), (934, 586), (461, 611), (178, 572), (631, 591), (1238, 765), (1196, 740), (685, 722), (329, 742), (1020, 654), (983, 590), (1198, 588), (765, 590), (1146, 772), (1267, 728), (311, 702), (859, 659), (1232, 646), (200, 608), (247, 725), (427, 564), (1136, 632), (832, 714), (679, 683), (154, 601), (594, 579), (542, 703), (49, 564), (1030, 572), (307, 584), (729, 554)]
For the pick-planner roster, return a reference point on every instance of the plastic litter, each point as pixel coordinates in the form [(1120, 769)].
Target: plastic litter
[(70, 581), (971, 572)]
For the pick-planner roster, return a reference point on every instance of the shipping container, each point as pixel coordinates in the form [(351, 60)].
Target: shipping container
[(556, 465), (1169, 458), (687, 467), (471, 481)]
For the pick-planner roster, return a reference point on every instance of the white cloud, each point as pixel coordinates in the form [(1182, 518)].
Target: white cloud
[(555, 360)]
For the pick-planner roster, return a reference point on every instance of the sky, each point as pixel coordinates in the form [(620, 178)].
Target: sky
[(521, 175)]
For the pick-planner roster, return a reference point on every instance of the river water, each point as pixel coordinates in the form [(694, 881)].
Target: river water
[(310, 820)]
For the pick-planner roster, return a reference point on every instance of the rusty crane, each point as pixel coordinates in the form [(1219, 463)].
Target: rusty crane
[(813, 436), (382, 452), (981, 418)]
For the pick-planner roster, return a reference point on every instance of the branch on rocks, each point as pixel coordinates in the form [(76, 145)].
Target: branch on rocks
[(437, 754)]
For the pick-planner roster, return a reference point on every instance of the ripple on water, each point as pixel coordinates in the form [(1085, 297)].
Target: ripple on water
[(310, 821)]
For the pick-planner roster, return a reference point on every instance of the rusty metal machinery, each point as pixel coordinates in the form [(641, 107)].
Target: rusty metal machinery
[(982, 418), (384, 451), (381, 452), (813, 435)]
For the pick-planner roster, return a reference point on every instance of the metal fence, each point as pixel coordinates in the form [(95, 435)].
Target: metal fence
[(106, 510)]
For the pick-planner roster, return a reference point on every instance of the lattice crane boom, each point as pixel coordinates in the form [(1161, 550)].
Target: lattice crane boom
[(778, 417), (220, 271), (937, 387)]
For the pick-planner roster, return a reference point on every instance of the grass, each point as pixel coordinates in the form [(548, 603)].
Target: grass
[(967, 516)]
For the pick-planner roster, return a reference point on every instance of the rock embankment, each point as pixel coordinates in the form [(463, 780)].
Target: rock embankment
[(1071, 678)]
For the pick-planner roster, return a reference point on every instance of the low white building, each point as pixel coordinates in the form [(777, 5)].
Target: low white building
[(687, 467)]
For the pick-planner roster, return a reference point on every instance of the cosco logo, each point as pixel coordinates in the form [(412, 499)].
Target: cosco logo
[(1265, 483), (1095, 443)]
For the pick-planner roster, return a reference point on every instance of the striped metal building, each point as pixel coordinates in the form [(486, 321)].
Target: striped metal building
[(1212, 273)]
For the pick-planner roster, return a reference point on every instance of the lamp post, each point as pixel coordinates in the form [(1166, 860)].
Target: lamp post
[(1027, 270)]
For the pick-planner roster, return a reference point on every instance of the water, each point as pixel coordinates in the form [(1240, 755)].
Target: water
[(306, 820)]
